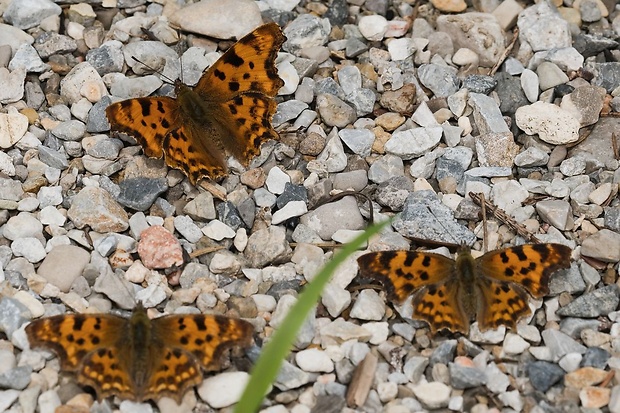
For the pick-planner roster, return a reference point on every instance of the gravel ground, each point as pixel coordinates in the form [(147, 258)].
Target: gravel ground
[(399, 100)]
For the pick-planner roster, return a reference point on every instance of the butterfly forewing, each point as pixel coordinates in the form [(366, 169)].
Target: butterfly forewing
[(248, 66), (404, 272), (148, 120), (73, 336), (529, 265), (206, 337)]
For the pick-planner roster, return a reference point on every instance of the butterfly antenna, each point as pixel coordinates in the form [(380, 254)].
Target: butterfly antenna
[(159, 72), (456, 242)]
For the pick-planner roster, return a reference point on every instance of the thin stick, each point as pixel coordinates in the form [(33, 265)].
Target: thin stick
[(614, 145), (485, 240), (501, 215), (504, 55), (215, 191), (203, 251)]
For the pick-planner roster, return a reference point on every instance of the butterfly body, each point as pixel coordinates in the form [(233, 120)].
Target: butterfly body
[(139, 358), (448, 294), (229, 110)]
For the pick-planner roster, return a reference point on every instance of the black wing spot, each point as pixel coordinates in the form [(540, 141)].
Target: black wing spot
[(233, 86), (219, 74), (232, 58), (145, 105), (520, 254), (504, 257), (426, 261)]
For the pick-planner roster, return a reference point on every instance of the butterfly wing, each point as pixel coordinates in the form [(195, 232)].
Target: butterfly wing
[(192, 342), (240, 88), (430, 277), (529, 266), (500, 303), (73, 336), (148, 120), (177, 372), (506, 276), (185, 149), (105, 370), (248, 66), (404, 272), (440, 307), (86, 343)]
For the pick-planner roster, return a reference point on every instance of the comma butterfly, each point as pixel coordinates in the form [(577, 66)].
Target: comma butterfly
[(139, 358), (450, 293), (230, 109)]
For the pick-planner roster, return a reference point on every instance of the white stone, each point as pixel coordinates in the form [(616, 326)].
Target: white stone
[(368, 306), (13, 127), (508, 195), (387, 391), (217, 230), (264, 302), (290, 210), (224, 389), (373, 27), (276, 180), (401, 49), (433, 395), (335, 299), (570, 362), (52, 216), (552, 124), (379, 330), (29, 248), (314, 360), (412, 143), (600, 194)]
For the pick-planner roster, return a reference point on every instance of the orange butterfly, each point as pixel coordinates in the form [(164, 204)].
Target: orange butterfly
[(449, 294), (139, 358), (230, 109)]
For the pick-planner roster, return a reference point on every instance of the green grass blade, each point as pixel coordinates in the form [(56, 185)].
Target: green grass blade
[(268, 365)]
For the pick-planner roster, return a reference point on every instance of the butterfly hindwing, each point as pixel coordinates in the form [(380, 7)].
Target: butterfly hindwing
[(529, 265), (178, 372), (105, 370), (186, 149), (438, 304), (500, 303)]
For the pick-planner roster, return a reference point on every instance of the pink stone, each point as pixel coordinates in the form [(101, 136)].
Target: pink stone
[(159, 249)]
